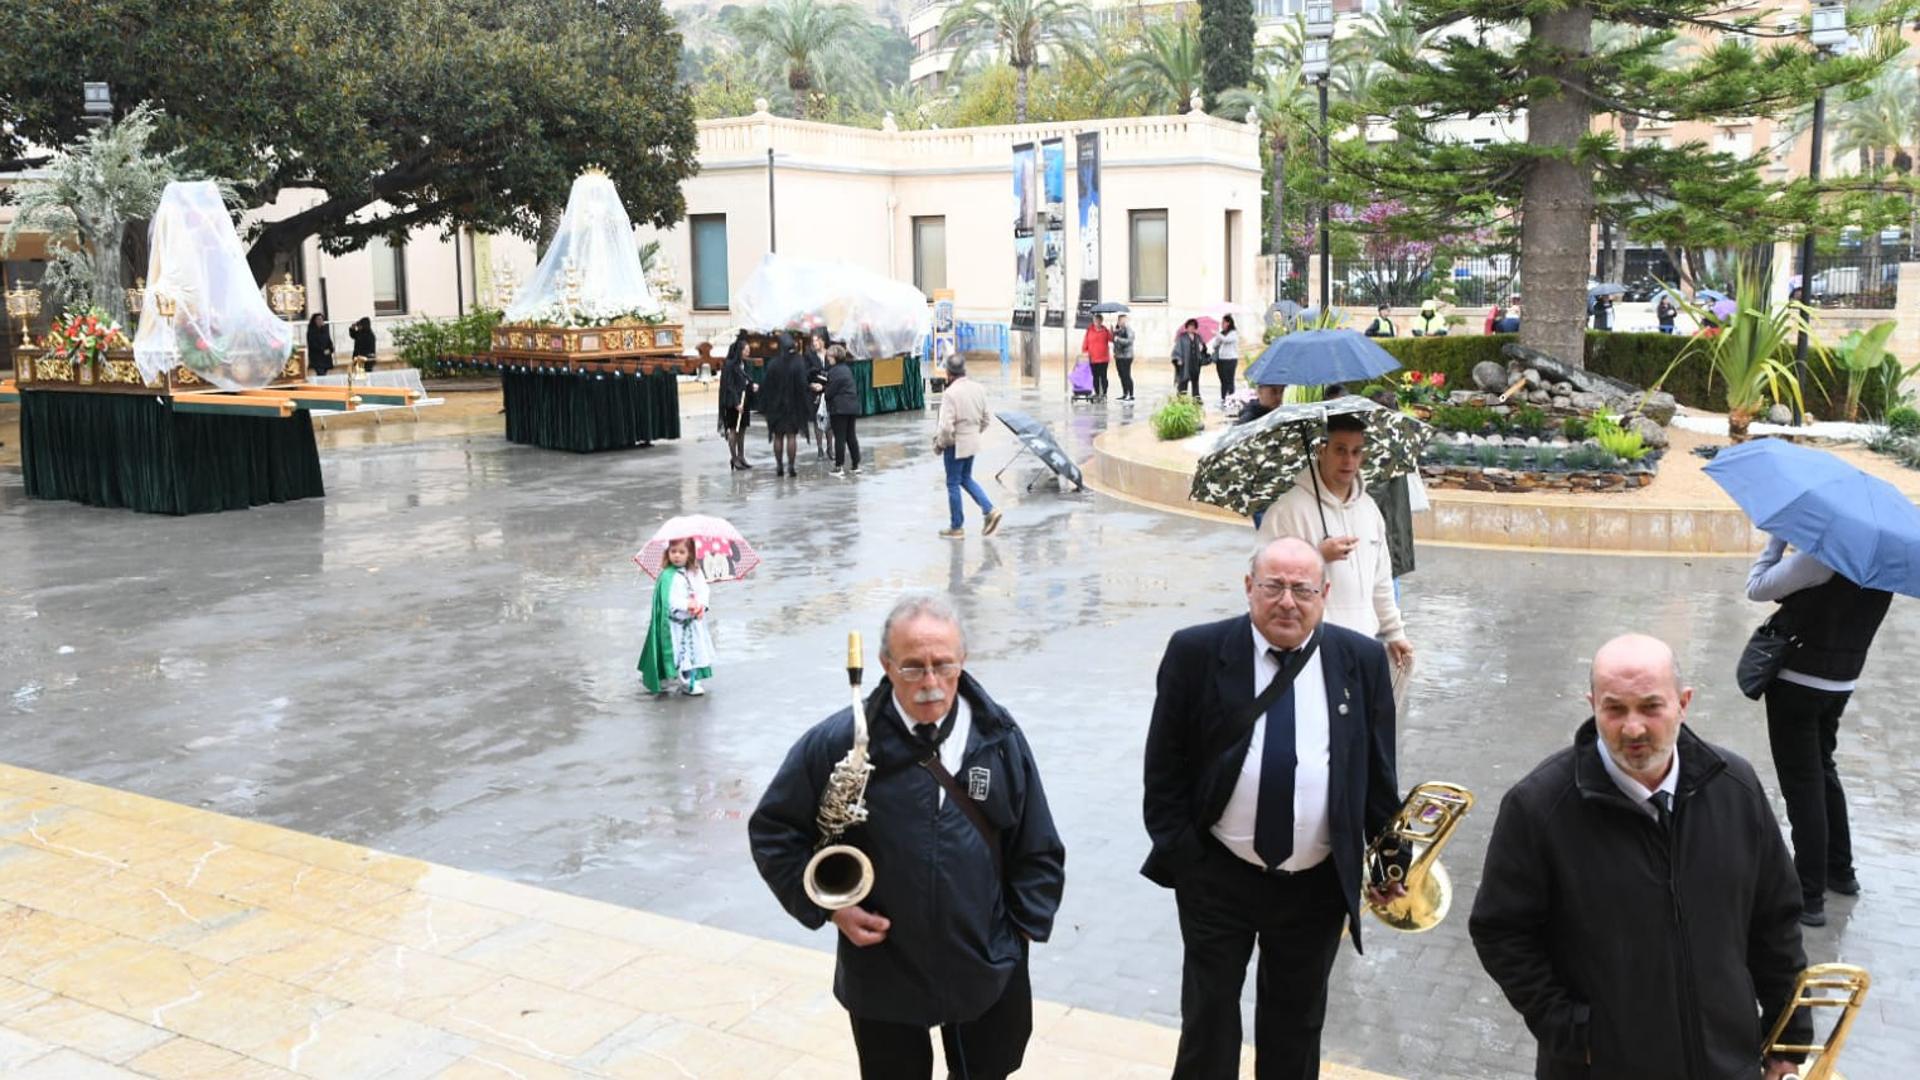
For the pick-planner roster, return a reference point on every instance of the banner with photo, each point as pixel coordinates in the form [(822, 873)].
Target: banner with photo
[(1087, 151), (1026, 196), (1054, 166)]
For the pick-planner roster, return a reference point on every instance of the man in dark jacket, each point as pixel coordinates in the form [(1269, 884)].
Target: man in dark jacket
[(1269, 765), (1637, 906), (1835, 621), (942, 939)]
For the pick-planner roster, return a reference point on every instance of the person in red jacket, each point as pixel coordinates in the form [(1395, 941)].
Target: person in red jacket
[(1096, 348)]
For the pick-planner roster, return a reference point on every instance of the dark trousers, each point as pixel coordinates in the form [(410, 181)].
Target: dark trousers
[(985, 1049), (1227, 906), (1125, 364), (1188, 375), (1802, 726), (844, 440), (1099, 379), (1225, 370)]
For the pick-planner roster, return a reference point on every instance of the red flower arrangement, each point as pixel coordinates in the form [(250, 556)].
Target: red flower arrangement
[(85, 336)]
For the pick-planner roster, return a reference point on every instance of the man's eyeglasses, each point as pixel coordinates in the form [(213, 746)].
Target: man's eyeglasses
[(915, 673), (1302, 593)]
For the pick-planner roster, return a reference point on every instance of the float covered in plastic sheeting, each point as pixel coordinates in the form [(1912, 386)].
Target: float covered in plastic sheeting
[(595, 244), (220, 327), (874, 316)]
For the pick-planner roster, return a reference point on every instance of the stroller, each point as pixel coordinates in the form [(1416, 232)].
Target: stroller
[(1081, 379)]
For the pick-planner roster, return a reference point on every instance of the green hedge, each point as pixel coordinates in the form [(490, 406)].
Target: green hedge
[(428, 343), (1635, 358)]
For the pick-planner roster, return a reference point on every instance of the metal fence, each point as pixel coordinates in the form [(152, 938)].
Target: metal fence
[(1855, 279), (1471, 281)]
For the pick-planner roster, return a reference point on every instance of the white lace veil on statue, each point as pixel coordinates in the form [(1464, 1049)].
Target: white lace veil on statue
[(220, 328), (874, 315), (595, 240)]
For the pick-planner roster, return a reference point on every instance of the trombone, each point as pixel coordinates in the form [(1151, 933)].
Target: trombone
[(1424, 821), (1829, 986)]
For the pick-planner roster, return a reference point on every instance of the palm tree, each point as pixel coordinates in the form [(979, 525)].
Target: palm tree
[(1878, 123), (1286, 108), (818, 47), (1019, 30), (1165, 74)]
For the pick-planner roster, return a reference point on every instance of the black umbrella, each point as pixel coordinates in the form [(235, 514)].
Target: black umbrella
[(1037, 440)]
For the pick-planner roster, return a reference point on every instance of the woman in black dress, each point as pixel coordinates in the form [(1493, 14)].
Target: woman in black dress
[(787, 403), (319, 344), (736, 400), (365, 345)]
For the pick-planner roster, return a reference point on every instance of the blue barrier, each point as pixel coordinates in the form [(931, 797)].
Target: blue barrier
[(976, 337)]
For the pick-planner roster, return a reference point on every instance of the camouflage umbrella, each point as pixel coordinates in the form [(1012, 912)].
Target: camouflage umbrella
[(1256, 463)]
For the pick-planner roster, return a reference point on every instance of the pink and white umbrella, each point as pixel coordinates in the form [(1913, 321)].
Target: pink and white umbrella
[(721, 553)]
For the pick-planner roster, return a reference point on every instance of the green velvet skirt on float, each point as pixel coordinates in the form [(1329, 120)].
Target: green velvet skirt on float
[(564, 410), (137, 452)]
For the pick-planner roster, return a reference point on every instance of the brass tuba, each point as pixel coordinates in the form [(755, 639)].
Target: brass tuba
[(1425, 820), (1813, 990), (840, 875)]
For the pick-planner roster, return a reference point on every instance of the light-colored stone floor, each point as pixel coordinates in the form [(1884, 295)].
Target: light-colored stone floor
[(145, 938)]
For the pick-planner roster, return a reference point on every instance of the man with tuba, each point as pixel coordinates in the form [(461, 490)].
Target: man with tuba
[(1269, 766), (966, 868), (1638, 906)]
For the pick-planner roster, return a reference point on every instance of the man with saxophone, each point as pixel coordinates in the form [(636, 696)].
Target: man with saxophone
[(965, 866), (1638, 906), (1269, 765)]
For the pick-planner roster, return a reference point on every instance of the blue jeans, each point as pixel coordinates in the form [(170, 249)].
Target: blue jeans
[(960, 475)]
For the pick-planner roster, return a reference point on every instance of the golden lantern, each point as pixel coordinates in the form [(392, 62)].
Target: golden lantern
[(287, 299), (23, 303), (136, 297)]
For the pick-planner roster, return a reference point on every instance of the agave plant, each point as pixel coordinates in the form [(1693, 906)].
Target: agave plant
[(1751, 351)]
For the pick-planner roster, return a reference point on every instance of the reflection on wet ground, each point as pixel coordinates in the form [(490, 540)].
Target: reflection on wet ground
[(437, 659)]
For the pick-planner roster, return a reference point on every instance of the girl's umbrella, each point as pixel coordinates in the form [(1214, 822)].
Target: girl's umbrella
[(721, 553), (1320, 357), (1859, 525), (1256, 463)]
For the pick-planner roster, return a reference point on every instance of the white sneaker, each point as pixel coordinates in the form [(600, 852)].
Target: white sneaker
[(839, 473), (695, 690)]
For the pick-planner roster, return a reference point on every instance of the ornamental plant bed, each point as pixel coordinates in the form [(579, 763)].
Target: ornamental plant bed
[(1513, 464)]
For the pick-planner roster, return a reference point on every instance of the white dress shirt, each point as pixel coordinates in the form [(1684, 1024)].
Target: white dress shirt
[(1634, 790), (1312, 835), (954, 750)]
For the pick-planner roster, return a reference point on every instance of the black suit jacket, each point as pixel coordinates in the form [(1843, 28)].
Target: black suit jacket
[(1205, 698)]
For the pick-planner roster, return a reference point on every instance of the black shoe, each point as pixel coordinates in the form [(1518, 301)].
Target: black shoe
[(1844, 886), (1813, 917)]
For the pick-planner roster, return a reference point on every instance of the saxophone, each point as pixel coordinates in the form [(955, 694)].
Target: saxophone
[(840, 875)]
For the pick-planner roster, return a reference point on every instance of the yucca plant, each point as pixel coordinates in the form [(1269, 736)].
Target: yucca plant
[(1751, 351)]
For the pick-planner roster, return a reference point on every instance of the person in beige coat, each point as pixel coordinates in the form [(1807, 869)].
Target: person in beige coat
[(1341, 519), (964, 415)]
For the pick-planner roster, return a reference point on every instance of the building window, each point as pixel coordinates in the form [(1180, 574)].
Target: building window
[(929, 254), (1280, 9), (1147, 255), (389, 276), (709, 262)]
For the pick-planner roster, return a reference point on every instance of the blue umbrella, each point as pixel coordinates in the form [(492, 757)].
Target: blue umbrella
[(1859, 525), (1709, 296), (1319, 357)]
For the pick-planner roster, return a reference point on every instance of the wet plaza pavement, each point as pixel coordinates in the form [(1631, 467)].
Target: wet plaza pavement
[(437, 660)]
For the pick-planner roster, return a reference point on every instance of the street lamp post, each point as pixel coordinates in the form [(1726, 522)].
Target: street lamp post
[(1828, 34), (1316, 64)]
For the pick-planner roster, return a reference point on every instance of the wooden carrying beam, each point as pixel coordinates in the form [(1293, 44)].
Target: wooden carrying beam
[(242, 403)]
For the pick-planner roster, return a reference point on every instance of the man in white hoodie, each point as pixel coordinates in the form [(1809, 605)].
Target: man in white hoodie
[(1343, 521)]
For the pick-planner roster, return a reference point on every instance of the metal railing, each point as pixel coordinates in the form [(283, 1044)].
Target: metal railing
[(1856, 279)]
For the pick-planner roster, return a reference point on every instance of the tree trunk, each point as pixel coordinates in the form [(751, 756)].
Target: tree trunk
[(1020, 93), (1277, 232), (1556, 208)]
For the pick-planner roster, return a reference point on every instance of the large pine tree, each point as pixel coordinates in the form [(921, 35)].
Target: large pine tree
[(1226, 48), (1541, 62)]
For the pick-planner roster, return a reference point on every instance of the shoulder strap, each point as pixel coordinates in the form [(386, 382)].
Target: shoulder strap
[(1288, 672), (967, 806)]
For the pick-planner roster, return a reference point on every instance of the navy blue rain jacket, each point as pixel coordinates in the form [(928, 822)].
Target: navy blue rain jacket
[(959, 931)]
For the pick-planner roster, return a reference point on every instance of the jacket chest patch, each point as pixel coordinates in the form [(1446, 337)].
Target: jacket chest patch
[(977, 779)]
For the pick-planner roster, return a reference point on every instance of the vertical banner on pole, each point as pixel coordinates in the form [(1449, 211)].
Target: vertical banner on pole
[(1087, 156), (1026, 196), (1053, 154)]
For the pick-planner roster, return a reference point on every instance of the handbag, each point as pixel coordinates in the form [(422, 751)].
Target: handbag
[(1761, 660)]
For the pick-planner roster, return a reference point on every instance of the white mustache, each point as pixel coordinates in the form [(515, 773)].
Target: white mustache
[(929, 695)]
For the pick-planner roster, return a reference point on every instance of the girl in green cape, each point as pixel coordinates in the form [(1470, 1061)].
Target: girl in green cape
[(678, 645)]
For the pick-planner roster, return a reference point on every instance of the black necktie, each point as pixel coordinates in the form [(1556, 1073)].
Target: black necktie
[(1273, 815), (1662, 808), (927, 734)]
